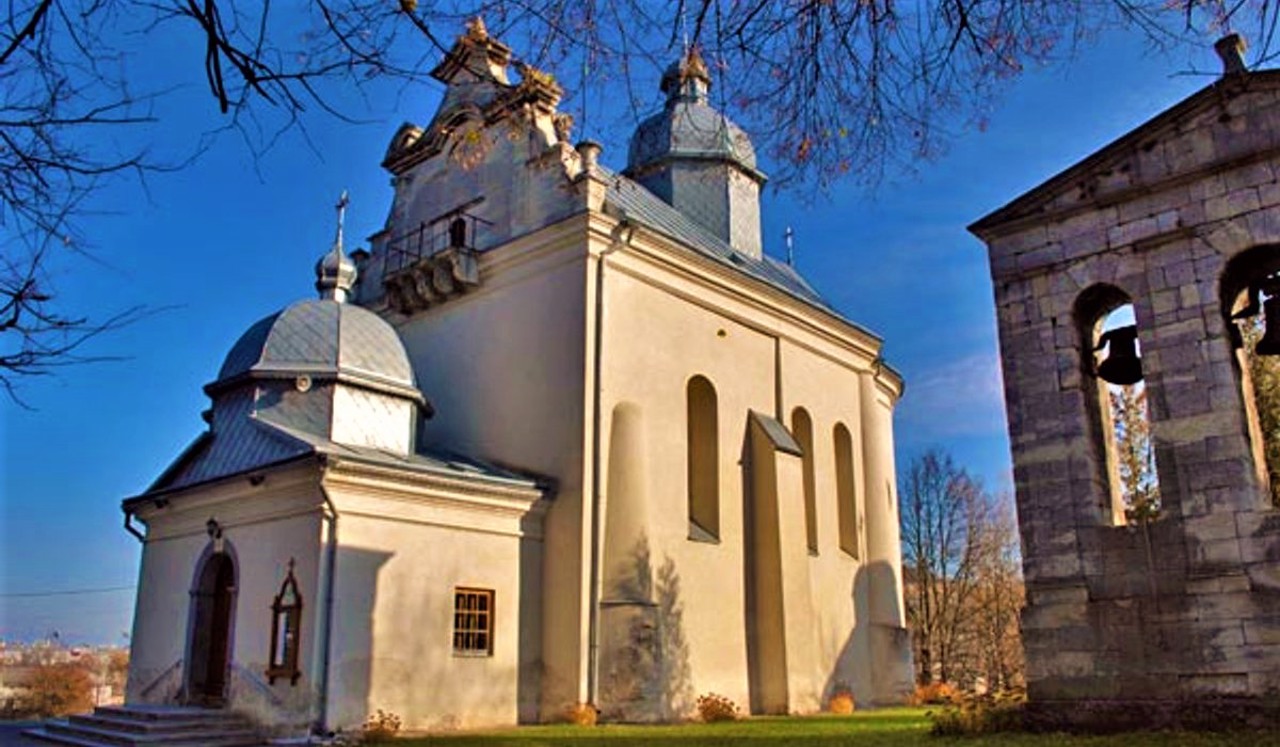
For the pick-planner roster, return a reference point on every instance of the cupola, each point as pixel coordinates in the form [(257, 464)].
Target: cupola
[(323, 368), (692, 156)]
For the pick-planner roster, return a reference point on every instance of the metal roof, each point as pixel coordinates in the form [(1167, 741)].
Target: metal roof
[(690, 129), (319, 336), (239, 442), (643, 206), (249, 442)]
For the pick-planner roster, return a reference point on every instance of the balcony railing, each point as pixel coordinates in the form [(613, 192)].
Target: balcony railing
[(433, 262), (455, 230)]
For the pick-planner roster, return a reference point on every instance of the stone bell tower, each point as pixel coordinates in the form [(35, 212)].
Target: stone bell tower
[(1168, 617)]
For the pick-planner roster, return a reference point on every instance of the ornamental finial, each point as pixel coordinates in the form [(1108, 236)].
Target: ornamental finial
[(688, 78), (335, 272)]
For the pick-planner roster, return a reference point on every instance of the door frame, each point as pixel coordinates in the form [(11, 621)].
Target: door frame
[(193, 693)]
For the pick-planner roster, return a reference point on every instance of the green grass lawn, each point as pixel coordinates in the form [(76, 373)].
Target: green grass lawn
[(896, 727)]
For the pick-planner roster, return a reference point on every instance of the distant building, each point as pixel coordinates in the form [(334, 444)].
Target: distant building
[(561, 436)]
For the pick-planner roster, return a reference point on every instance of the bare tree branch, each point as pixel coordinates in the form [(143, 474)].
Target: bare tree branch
[(829, 90)]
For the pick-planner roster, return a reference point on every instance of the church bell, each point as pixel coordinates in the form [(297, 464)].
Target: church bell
[(1122, 366)]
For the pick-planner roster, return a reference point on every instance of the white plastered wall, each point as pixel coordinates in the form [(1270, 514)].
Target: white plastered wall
[(262, 528), (653, 345), (504, 367), (663, 327), (398, 565), (829, 391)]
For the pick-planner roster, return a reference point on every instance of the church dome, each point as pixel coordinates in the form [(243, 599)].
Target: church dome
[(688, 126), (324, 338)]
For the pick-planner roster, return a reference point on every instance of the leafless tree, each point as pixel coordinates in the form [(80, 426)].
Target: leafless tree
[(940, 554), (994, 655), (961, 565), (1264, 381), (1135, 452), (829, 89)]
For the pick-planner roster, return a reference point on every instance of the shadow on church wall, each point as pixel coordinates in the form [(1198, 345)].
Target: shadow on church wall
[(529, 678), (351, 642), (403, 662), (644, 667), (874, 662)]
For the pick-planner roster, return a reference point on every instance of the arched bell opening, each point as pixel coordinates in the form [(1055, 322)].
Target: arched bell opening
[(1250, 295), (1116, 392)]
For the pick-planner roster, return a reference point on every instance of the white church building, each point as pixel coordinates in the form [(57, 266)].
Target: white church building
[(560, 436)]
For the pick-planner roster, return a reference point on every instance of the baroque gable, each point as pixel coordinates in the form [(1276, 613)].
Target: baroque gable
[(493, 163)]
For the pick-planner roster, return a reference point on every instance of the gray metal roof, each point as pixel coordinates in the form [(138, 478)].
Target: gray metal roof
[(441, 462), (320, 336), (240, 442), (689, 129), (643, 206), (778, 434), (249, 443)]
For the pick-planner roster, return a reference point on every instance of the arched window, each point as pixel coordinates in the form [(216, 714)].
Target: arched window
[(1118, 404), (802, 430), (1250, 296), (846, 495), (703, 452)]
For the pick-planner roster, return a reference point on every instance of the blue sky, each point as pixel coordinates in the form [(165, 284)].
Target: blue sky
[(218, 245)]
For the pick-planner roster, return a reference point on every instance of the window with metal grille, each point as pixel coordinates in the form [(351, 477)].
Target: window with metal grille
[(473, 622)]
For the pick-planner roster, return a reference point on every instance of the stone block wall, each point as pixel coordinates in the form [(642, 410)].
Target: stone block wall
[(1184, 610)]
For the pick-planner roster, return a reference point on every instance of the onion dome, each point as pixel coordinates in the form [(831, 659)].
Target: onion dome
[(335, 272), (697, 161)]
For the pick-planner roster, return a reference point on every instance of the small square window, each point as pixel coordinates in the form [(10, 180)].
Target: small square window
[(473, 622)]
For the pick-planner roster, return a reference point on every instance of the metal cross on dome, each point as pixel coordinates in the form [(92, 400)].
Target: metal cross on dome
[(341, 207)]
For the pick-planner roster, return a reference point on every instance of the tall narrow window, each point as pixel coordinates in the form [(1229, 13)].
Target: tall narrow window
[(473, 622), (1119, 399), (802, 429), (703, 446), (286, 624), (846, 495)]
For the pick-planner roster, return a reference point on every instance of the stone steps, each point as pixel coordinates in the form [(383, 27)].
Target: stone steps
[(150, 726)]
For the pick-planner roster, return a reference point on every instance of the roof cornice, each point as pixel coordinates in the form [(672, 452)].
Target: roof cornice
[(318, 373), (350, 478), (1017, 212)]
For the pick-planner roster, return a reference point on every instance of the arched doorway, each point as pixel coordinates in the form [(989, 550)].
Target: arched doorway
[(213, 597)]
